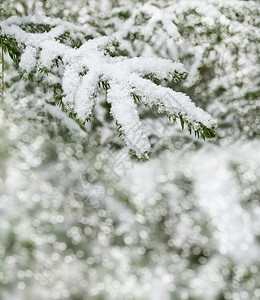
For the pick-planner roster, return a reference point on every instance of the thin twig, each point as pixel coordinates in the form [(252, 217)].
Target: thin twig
[(3, 66), (3, 129)]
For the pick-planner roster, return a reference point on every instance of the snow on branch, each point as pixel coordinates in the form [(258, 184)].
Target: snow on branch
[(49, 47)]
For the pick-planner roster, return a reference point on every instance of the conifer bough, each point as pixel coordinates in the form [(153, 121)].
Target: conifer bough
[(77, 62)]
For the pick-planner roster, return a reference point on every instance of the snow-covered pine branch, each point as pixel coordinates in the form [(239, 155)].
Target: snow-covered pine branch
[(77, 62)]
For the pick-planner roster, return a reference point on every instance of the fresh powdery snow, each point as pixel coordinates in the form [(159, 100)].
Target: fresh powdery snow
[(92, 65)]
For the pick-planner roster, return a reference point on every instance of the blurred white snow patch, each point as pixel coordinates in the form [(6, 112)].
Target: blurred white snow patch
[(218, 194), (216, 190)]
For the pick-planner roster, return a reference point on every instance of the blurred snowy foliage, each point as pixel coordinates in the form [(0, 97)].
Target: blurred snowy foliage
[(80, 219)]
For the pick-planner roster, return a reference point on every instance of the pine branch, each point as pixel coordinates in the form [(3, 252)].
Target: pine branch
[(76, 74)]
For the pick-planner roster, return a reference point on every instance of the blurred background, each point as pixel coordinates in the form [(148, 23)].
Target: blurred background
[(82, 219)]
